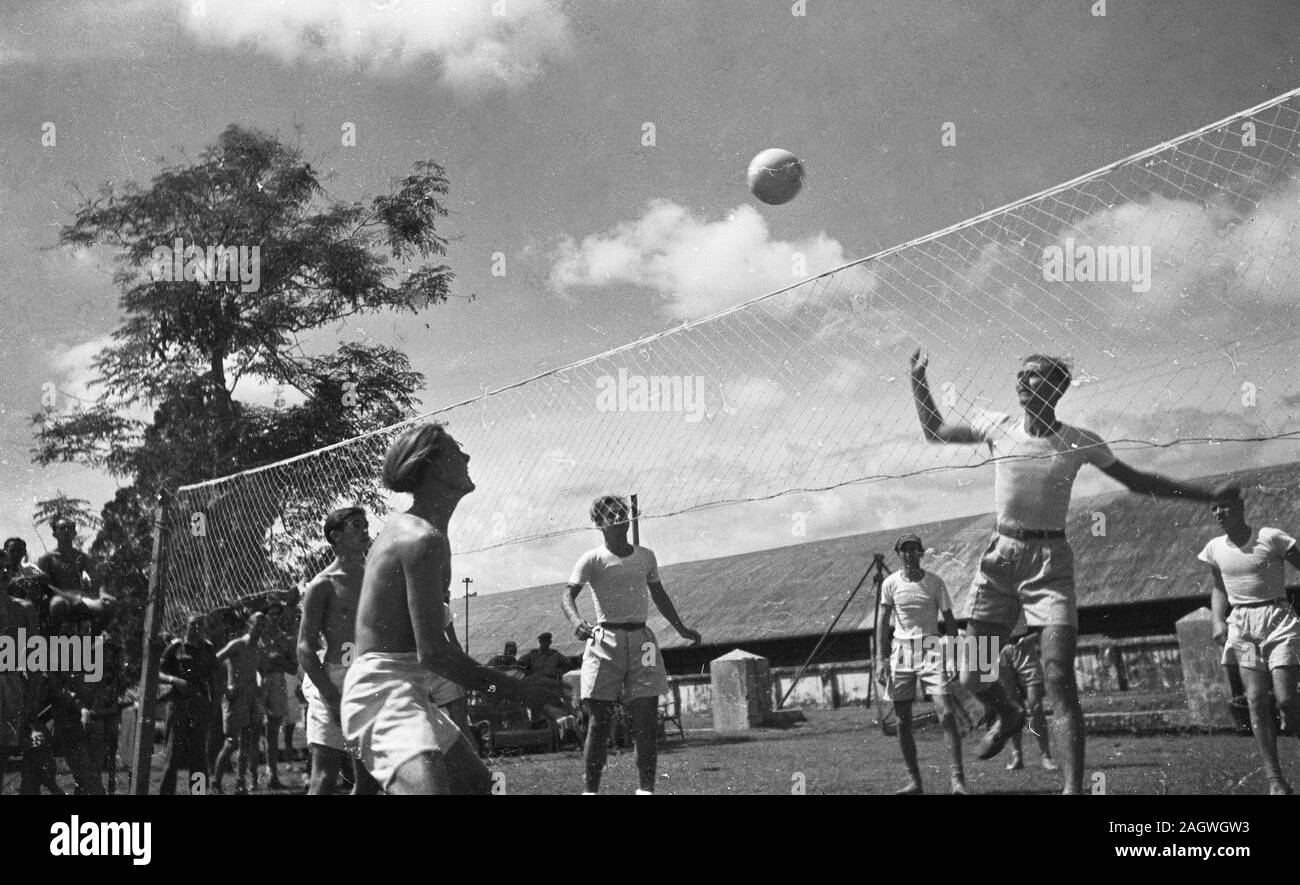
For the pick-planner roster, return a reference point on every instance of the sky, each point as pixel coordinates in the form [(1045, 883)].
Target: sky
[(541, 113)]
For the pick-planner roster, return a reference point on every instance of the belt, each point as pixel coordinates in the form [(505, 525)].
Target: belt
[(1030, 534), (1280, 600), (623, 625)]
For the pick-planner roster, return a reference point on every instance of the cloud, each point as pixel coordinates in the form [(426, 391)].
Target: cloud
[(698, 266), (479, 44)]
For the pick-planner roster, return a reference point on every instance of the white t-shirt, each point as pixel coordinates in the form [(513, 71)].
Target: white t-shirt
[(619, 584), (1254, 572), (917, 604), (1033, 479)]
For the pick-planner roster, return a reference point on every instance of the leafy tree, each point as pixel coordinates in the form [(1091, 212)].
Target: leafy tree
[(184, 344)]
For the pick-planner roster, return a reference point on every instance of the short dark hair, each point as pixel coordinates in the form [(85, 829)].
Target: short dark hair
[(55, 520), (15, 542), (409, 455), (1057, 367), (605, 508), (338, 518), (1227, 494)]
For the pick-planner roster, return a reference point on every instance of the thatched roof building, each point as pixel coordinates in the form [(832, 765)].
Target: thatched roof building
[(1135, 559)]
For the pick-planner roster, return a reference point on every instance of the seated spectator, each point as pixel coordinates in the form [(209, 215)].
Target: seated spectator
[(506, 660)]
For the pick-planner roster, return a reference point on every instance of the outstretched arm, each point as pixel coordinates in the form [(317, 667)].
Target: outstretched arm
[(669, 611), (932, 423), (1155, 484)]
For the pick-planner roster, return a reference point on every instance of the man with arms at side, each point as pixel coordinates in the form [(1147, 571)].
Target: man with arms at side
[(622, 659), (1029, 564), (912, 601), (406, 742), (240, 714), (329, 613), (1262, 635), (189, 668)]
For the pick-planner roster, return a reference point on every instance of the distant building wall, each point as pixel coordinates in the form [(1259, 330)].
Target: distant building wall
[(1110, 665)]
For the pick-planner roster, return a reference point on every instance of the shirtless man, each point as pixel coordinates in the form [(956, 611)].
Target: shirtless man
[(239, 713), (72, 578), (279, 654), (329, 613), (402, 737)]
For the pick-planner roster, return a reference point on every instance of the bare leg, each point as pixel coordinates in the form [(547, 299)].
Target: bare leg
[(1058, 644), (222, 764), (423, 775), (645, 725), (957, 776), (907, 744), (1259, 685), (273, 751), (593, 755), (325, 765), (1038, 725), (1284, 688), (1004, 713), (247, 747), (362, 782)]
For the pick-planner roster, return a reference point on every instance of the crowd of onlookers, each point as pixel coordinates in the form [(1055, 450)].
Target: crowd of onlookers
[(47, 713)]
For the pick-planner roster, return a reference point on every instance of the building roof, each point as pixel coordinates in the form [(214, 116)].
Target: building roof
[(1128, 548)]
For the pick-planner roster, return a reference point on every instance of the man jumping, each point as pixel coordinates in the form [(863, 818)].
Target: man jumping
[(1029, 563), (622, 657), (1262, 635), (406, 742)]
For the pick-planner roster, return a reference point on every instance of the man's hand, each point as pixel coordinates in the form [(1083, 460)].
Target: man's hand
[(1220, 631), (39, 737), (882, 671), (693, 636), (918, 366), (584, 631)]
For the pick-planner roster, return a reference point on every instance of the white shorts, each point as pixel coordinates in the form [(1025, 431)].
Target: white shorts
[(322, 728), (389, 717), (1263, 637), (444, 691), (622, 665)]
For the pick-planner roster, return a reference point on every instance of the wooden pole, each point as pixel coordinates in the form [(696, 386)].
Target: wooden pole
[(153, 614), (636, 523), (468, 581)]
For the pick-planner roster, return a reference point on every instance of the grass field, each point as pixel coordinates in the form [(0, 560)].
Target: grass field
[(844, 752)]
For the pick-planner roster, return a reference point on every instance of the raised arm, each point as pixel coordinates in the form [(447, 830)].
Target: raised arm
[(666, 608), (425, 571), (932, 423), (1155, 484), (315, 602)]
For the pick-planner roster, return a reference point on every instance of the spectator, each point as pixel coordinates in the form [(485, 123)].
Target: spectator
[(544, 661), (507, 659), (278, 650), (72, 578), (104, 702), (189, 666), (240, 713)]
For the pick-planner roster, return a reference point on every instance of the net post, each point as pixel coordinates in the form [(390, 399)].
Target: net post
[(153, 613), (636, 523)]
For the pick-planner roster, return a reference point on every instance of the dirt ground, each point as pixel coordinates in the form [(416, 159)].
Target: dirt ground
[(844, 752)]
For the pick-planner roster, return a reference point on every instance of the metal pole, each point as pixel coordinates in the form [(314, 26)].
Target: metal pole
[(878, 561), (636, 523), (153, 614), (468, 581)]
